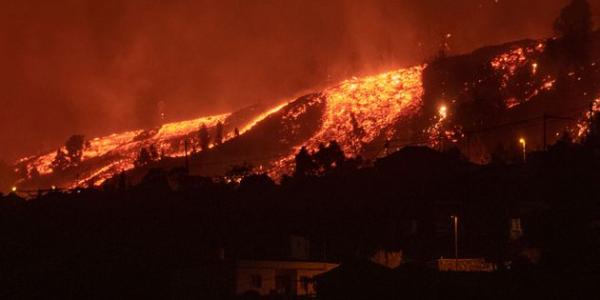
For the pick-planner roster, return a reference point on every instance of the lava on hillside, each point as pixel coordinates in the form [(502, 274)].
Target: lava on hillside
[(448, 102)]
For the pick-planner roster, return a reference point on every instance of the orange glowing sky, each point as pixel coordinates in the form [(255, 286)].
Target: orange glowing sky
[(100, 66)]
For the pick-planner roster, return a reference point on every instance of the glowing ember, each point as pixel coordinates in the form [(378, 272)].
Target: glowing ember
[(583, 126), (511, 102), (508, 63), (436, 131), (440, 131), (548, 84)]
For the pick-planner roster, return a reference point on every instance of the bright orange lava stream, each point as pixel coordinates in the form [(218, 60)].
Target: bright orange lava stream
[(124, 147), (359, 110)]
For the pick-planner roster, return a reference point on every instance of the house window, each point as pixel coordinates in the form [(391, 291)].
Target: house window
[(256, 281)]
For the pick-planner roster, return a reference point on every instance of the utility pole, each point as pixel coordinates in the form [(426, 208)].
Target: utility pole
[(456, 237), (545, 143), (591, 118), (547, 117), (386, 147), (523, 143), (455, 219), (187, 162)]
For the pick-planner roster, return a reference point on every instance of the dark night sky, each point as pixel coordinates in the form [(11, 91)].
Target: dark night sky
[(98, 66)]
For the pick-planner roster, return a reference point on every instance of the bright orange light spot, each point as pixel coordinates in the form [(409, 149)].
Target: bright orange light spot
[(443, 112)]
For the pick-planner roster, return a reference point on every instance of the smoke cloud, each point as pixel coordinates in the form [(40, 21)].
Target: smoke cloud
[(98, 66)]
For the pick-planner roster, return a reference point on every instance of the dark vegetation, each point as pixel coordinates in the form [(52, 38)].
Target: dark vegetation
[(72, 156), (129, 240)]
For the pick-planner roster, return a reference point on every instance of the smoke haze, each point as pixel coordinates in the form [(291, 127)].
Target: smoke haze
[(98, 66)]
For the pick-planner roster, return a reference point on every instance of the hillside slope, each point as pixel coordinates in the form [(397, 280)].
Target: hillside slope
[(451, 101)]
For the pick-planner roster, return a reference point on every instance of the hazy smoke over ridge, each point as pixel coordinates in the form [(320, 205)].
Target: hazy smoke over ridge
[(98, 66)]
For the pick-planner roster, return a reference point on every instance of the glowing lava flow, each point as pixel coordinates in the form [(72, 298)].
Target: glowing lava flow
[(356, 113), (359, 110), (120, 150), (261, 117), (95, 148), (508, 63)]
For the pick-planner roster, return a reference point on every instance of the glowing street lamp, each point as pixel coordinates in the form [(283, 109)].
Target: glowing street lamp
[(14, 189), (443, 112), (455, 220), (524, 145)]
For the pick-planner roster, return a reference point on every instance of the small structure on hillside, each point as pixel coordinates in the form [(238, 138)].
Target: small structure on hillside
[(465, 265), (284, 278)]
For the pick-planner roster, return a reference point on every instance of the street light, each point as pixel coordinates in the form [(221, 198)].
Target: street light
[(14, 189), (455, 219), (524, 145)]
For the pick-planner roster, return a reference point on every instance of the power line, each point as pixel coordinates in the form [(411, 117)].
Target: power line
[(524, 123), (399, 142)]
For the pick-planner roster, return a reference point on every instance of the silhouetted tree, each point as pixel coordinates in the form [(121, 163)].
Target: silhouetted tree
[(238, 172), (34, 173), (328, 157), (356, 128), (21, 171), (257, 182), (74, 146), (565, 138), (575, 20), (60, 162), (305, 164), (443, 50), (499, 155), (154, 155), (236, 132), (204, 138), (573, 26), (156, 180), (219, 133), (143, 158), (122, 183)]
